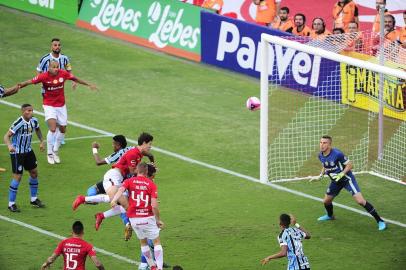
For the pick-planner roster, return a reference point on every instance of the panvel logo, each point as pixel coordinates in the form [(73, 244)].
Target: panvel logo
[(43, 3), (304, 69), (170, 28), (114, 14), (366, 82)]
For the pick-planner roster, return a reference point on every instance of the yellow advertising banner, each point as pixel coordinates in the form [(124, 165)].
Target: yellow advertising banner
[(360, 88)]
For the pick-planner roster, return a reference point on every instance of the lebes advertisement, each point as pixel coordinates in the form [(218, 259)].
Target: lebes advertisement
[(165, 25), (61, 10)]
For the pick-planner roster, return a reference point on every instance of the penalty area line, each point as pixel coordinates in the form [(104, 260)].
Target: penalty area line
[(220, 169), (60, 237)]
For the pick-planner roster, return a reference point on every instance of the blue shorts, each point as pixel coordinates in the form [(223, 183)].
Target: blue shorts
[(350, 185)]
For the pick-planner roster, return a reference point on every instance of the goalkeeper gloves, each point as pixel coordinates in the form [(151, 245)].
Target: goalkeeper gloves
[(338, 177)]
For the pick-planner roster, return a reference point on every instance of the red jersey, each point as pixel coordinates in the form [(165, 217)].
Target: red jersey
[(74, 251), (53, 87), (140, 192), (131, 158)]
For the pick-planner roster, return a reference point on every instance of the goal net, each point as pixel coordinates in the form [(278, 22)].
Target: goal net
[(311, 88)]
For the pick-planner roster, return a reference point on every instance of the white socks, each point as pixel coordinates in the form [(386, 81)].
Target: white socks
[(59, 137), (98, 198), (159, 256), (116, 210), (50, 142), (147, 254)]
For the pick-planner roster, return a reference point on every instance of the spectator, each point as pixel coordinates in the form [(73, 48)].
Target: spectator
[(283, 23), (390, 30), (355, 42), (319, 30), (402, 33), (377, 21), (338, 31), (215, 5), (344, 12), (266, 11), (300, 28)]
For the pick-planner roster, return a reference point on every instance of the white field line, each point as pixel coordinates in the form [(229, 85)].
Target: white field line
[(220, 169), (74, 138), (100, 250)]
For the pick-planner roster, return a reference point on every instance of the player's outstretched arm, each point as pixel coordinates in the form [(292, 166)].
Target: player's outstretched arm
[(282, 253), (320, 177), (49, 261), (117, 196), (24, 84), (97, 158), (11, 91), (91, 86), (96, 262)]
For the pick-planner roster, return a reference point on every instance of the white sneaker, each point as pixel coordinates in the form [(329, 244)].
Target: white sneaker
[(51, 159), (56, 158)]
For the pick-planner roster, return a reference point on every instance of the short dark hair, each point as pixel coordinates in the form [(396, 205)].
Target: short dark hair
[(144, 138), (121, 140), (327, 137), (142, 168), (25, 105), (339, 29), (151, 169), (285, 9), (284, 220), (301, 15), (355, 23), (177, 267), (55, 39), (77, 227)]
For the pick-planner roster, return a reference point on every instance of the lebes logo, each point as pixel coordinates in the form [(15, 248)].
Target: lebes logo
[(113, 15), (170, 28)]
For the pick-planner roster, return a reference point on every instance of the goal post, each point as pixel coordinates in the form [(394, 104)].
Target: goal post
[(326, 105)]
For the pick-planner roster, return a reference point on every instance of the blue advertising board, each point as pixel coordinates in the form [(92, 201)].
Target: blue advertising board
[(235, 45)]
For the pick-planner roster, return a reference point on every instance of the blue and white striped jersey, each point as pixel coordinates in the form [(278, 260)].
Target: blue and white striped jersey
[(63, 60), (22, 134), (334, 163), (113, 158), (1, 91), (292, 238)]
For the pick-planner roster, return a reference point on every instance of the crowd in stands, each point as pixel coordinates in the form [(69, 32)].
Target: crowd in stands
[(345, 14)]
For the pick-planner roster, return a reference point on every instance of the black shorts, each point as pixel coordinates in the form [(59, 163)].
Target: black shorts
[(100, 188), (26, 161)]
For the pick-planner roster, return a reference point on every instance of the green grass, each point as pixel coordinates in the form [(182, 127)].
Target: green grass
[(214, 220)]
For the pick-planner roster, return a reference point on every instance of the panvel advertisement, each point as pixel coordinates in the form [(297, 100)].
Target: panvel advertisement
[(165, 25), (236, 45), (61, 10), (360, 88)]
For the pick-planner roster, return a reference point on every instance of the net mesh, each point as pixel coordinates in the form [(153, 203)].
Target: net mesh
[(311, 97)]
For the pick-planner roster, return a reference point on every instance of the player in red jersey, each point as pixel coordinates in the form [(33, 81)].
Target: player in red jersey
[(114, 177), (74, 251), (53, 82), (143, 212)]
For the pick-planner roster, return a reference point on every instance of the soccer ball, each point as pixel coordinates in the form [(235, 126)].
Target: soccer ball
[(1, 91), (253, 104)]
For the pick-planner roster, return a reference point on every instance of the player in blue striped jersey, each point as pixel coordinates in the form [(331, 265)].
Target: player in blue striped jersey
[(18, 139), (290, 241), (338, 168), (63, 60)]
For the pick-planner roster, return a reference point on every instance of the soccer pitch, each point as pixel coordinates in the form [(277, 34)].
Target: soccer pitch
[(215, 220)]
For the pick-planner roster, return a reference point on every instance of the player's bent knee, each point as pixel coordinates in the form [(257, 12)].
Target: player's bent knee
[(92, 191)]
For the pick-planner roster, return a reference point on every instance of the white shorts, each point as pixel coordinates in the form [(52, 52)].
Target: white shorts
[(145, 228), (111, 178), (60, 114)]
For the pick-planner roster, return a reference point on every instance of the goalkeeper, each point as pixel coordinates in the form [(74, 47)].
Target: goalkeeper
[(338, 168)]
